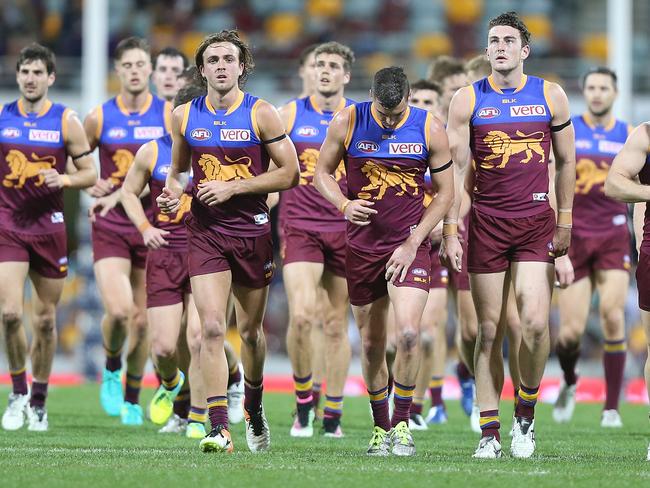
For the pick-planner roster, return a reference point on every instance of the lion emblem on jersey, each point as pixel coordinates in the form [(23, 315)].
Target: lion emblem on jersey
[(214, 170), (22, 168), (503, 147), (123, 159), (381, 178), (186, 204), (589, 175), (308, 159)]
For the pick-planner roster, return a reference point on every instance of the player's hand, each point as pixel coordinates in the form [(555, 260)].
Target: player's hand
[(564, 271), (561, 241), (101, 188), (451, 253), (101, 206), (52, 178), (215, 192), (359, 212), (400, 262), (168, 202), (154, 237)]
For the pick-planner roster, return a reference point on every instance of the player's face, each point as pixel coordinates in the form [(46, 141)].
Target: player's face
[(389, 118), (504, 49), (599, 93), (221, 67), (307, 73), (425, 99), (451, 85), (33, 80), (166, 76), (331, 76), (133, 70)]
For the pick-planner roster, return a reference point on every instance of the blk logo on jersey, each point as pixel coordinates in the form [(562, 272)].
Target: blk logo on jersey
[(11, 132), (527, 110), (488, 113), (235, 135), (307, 131), (405, 148), (200, 134), (40, 135), (367, 147), (117, 133), (148, 133)]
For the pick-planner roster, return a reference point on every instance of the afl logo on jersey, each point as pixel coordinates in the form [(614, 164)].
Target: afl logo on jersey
[(367, 146), (307, 131), (488, 113), (117, 133), (11, 132), (200, 134)]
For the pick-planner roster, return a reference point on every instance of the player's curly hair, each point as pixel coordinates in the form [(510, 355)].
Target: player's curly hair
[(511, 19), (231, 36)]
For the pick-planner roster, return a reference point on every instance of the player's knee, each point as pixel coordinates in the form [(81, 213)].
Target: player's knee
[(487, 335), (468, 334), (335, 330), (119, 316), (213, 330), (11, 320), (613, 321), (301, 322), (407, 339), (251, 336), (535, 330), (163, 349), (426, 342), (44, 324)]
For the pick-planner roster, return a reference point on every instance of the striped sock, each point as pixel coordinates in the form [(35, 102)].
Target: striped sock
[(218, 411), (133, 386), (198, 415), (527, 398), (435, 389), (402, 399), (234, 375), (303, 389), (333, 407), (173, 381), (19, 381), (614, 365), (316, 391), (39, 394), (113, 359), (253, 395), (182, 403), (490, 424), (379, 405), (417, 406)]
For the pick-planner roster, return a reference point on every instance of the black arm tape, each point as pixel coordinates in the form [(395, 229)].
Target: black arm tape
[(441, 168), (558, 128), (275, 139), (79, 156)]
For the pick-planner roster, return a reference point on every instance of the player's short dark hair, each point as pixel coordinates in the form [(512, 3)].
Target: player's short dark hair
[(191, 75), (390, 86), (601, 70), (231, 36), (189, 92), (171, 52), (443, 67), (131, 43), (304, 54), (511, 19), (480, 64), (340, 49), (423, 84), (35, 52)]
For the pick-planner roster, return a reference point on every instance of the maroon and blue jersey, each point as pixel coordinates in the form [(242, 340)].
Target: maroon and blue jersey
[(120, 134), (510, 139), (226, 146), (172, 223), (303, 206), (31, 143), (386, 167), (596, 147), (644, 179)]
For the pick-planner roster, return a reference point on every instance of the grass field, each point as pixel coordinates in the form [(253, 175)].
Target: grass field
[(84, 447)]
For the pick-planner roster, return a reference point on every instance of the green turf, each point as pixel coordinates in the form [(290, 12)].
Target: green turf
[(84, 447)]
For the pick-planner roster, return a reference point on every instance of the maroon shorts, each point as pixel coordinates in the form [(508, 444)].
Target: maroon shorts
[(643, 279), (441, 277), (112, 244), (47, 254), (366, 275), (249, 259), (168, 280), (608, 251), (495, 242), (300, 246)]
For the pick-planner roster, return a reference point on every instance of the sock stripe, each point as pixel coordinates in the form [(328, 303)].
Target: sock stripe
[(528, 396), (18, 371), (436, 382), (403, 392), (615, 346), (379, 395), (333, 404), (133, 381), (170, 384), (217, 401), (302, 384), (199, 415)]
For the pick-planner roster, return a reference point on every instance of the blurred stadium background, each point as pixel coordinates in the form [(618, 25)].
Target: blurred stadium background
[(569, 36)]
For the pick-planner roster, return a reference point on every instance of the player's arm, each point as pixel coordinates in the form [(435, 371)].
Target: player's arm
[(622, 182), (442, 178), (170, 198), (93, 126), (287, 116), (564, 151), (331, 152), (460, 112), (135, 182)]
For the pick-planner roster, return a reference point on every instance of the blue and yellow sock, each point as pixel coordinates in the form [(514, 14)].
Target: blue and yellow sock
[(402, 399), (490, 424), (526, 401)]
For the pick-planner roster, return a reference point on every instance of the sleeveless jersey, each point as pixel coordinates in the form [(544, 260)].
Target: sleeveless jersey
[(30, 143), (120, 135), (596, 147), (173, 223), (386, 167), (226, 146), (644, 178), (303, 206), (510, 139)]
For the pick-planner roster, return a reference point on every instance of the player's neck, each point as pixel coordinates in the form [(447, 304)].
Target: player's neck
[(133, 102), (328, 103), (223, 100), (508, 79), (602, 120), (35, 106)]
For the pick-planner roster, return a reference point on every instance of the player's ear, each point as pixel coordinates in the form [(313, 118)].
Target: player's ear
[(50, 79), (525, 52), (346, 78)]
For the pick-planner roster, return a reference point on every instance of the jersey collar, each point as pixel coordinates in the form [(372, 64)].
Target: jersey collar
[(142, 111), (44, 109), (493, 85)]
